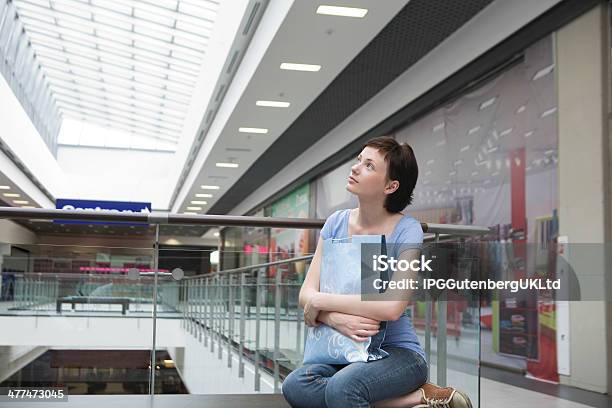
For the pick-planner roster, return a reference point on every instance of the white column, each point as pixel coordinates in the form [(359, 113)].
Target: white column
[(584, 165)]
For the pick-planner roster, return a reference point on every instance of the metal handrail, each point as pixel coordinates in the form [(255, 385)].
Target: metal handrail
[(162, 218), (251, 267)]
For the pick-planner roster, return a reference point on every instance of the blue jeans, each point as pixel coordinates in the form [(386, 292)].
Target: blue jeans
[(356, 384)]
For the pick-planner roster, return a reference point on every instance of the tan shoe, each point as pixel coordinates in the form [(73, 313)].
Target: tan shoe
[(434, 396)]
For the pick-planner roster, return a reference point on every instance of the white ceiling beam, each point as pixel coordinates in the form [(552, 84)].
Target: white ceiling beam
[(96, 25), (158, 121), (112, 121), (43, 27), (114, 115), (94, 95)]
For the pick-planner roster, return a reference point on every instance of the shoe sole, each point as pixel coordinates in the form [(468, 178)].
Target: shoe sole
[(465, 397)]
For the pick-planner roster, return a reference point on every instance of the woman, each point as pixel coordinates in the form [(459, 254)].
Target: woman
[(383, 179)]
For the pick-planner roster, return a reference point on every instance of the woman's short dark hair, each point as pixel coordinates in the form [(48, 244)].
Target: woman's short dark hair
[(401, 166)]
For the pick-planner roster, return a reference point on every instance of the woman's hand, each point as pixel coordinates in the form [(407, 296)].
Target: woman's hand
[(357, 328), (311, 313)]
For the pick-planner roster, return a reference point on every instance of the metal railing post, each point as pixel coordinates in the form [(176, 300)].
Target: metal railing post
[(230, 333), (242, 325), (221, 302), (213, 323), (205, 312), (277, 322), (200, 306), (155, 269), (257, 326)]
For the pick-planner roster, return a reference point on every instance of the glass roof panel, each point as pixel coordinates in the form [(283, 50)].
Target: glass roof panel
[(127, 65)]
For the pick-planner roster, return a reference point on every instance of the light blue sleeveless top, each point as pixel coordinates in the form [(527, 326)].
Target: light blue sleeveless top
[(407, 234)]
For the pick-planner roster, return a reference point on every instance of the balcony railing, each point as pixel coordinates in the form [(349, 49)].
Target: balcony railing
[(249, 314)]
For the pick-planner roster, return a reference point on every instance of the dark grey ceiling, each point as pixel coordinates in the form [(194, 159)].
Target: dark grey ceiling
[(418, 28)]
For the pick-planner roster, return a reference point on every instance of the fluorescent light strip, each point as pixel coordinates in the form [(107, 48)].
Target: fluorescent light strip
[(12, 195), (487, 103), (342, 11), (202, 195), (227, 165), (252, 130), (273, 104), (473, 130), (439, 126), (208, 187), (21, 202), (300, 67), (194, 208), (548, 112), (190, 213), (5, 188), (199, 202), (543, 72)]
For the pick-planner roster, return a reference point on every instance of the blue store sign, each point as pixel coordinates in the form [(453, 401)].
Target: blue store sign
[(91, 205)]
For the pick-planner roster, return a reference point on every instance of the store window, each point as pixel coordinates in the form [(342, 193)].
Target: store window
[(489, 158)]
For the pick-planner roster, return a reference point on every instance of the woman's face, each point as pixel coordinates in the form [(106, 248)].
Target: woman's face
[(369, 175)]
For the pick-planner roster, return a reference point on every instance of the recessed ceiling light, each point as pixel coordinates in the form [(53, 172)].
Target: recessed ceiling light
[(253, 130), (27, 206), (227, 165), (273, 104), (21, 202), (203, 195), (5, 188), (12, 195), (199, 202), (216, 234), (194, 208), (208, 187), (342, 11), (190, 213), (300, 67)]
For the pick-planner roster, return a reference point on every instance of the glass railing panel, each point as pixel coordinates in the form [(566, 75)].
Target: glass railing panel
[(79, 314), (245, 319)]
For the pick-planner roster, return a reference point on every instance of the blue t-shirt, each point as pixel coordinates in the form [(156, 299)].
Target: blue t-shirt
[(407, 234)]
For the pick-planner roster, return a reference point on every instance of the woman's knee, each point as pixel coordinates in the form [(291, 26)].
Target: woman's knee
[(342, 391), (291, 385)]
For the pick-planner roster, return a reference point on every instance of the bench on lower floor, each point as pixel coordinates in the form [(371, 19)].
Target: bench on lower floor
[(124, 302)]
